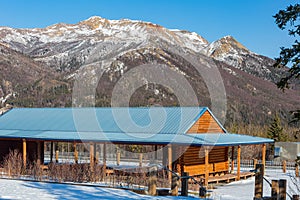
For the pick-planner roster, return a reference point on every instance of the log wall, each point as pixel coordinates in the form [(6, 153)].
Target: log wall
[(193, 160), (206, 124)]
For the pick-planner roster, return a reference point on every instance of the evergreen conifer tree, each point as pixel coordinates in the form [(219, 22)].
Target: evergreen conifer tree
[(275, 130)]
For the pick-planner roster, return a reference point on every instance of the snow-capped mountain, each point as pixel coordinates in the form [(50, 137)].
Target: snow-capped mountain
[(233, 53), (66, 46), (39, 65)]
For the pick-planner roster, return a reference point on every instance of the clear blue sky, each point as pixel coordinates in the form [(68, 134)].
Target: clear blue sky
[(249, 21)]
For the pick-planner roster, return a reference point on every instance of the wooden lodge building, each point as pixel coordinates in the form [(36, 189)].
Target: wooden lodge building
[(193, 139)]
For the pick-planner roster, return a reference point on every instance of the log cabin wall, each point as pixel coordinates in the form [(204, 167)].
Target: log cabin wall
[(206, 124), (193, 160), (7, 145)]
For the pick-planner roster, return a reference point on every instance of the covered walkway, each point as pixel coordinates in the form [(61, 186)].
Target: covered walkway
[(191, 138)]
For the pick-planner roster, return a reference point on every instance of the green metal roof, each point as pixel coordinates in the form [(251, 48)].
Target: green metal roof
[(154, 125)]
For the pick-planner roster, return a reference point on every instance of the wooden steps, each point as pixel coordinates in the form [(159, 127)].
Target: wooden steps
[(227, 178)]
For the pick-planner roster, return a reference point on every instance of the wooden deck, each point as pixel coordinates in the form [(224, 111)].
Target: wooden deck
[(229, 177)]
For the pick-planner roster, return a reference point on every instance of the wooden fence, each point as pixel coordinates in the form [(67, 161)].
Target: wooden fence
[(247, 165)]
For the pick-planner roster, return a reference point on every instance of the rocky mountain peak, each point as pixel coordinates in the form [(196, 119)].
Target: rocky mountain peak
[(95, 22), (225, 46), (233, 53)]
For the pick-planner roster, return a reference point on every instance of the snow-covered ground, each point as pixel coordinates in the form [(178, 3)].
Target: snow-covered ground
[(240, 190), (244, 189), (15, 189)]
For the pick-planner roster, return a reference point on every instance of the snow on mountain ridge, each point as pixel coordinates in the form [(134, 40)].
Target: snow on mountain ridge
[(100, 29), (69, 45)]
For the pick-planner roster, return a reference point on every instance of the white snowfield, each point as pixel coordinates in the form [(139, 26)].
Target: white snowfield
[(244, 189), (240, 190), (17, 189)]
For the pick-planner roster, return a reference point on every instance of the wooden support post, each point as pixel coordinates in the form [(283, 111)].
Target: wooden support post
[(118, 158), (97, 158), (75, 153), (174, 185), (140, 159), (104, 159), (118, 155), (156, 153), (56, 156), (175, 155), (152, 181), (181, 160), (170, 162), (95, 154), (184, 184), (238, 174), (165, 156), (92, 160), (297, 170), (24, 153), (259, 179), (284, 166), (282, 189), (56, 151), (92, 156), (206, 161), (51, 152), (232, 159), (38, 152), (275, 190), (263, 155), (254, 163)]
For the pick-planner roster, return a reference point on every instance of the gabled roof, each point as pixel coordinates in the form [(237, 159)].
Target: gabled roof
[(172, 120), (155, 125)]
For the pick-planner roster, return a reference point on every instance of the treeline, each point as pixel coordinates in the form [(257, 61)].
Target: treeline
[(289, 133)]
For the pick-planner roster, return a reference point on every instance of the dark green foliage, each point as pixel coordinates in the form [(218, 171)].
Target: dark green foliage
[(296, 120), (291, 55), (289, 18), (275, 130)]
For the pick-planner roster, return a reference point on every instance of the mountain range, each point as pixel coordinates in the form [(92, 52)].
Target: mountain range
[(40, 67)]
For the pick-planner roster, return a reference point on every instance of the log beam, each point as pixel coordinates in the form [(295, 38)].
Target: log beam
[(238, 163), (232, 159), (38, 158), (170, 162), (206, 158), (263, 154), (165, 156), (140, 159), (92, 155), (75, 153), (118, 158), (56, 156), (156, 153), (254, 163), (51, 152), (56, 152), (24, 153), (104, 159)]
